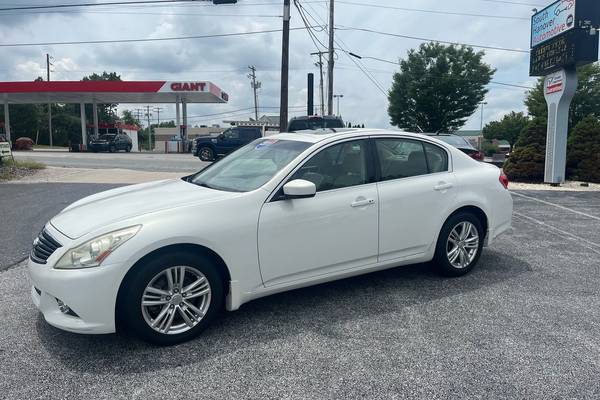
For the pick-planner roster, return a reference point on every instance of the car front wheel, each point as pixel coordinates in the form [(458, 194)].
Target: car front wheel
[(206, 154), (172, 298), (459, 245)]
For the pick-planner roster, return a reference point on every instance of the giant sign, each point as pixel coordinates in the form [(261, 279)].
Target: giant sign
[(573, 48)]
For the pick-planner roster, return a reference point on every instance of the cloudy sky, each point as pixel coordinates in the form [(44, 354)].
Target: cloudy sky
[(225, 61)]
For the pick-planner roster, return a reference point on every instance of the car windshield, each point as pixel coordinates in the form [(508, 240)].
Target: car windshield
[(251, 166), (107, 137), (315, 123), (453, 140)]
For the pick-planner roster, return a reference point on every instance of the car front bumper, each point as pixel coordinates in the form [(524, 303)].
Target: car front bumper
[(89, 293)]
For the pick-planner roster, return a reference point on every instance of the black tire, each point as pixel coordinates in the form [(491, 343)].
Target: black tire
[(441, 259), (206, 153), (112, 148), (129, 309), (128, 149)]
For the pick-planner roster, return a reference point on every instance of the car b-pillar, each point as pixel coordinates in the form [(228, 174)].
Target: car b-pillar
[(559, 89)]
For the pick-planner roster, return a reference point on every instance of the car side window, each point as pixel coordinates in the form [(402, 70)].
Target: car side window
[(401, 158), (248, 135), (232, 134), (338, 166), (437, 158)]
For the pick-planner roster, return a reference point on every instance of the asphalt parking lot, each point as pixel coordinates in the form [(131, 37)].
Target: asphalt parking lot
[(524, 324)]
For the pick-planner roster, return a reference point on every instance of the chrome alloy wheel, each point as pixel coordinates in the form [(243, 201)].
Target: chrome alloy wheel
[(462, 245), (176, 300)]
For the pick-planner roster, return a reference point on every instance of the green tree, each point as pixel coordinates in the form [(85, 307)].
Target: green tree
[(583, 154), (438, 88), (585, 102), (526, 162), (508, 128), (106, 112), (129, 119)]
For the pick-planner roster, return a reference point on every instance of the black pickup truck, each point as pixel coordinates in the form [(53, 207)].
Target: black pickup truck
[(210, 147)]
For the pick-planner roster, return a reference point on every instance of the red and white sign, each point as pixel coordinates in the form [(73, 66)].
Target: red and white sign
[(184, 87), (554, 84)]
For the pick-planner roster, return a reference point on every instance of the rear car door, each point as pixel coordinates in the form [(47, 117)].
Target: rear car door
[(416, 189), (333, 231)]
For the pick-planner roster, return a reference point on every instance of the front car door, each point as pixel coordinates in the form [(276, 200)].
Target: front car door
[(416, 190), (330, 232), (230, 141)]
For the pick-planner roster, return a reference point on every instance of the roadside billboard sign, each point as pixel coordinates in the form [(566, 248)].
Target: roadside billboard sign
[(557, 18)]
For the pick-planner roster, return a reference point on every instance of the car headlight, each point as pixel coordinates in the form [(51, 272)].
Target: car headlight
[(93, 252)]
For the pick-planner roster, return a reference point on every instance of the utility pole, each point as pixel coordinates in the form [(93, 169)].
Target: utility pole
[(48, 64), (148, 115), (330, 64), (158, 110), (321, 91), (285, 59), (255, 85)]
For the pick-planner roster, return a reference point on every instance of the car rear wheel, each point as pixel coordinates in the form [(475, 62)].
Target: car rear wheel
[(459, 245), (172, 298), (128, 148), (206, 153)]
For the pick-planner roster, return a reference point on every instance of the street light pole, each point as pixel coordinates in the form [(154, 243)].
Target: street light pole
[(483, 103), (338, 97), (285, 59)]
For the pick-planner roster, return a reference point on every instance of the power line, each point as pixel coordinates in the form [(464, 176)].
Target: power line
[(435, 11), (514, 2), (217, 35), (479, 46), (144, 13), (111, 3)]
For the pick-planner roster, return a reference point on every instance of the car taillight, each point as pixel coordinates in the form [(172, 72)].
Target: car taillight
[(503, 180), (478, 155)]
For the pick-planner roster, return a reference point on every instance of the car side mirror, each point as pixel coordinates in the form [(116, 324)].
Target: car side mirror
[(299, 189)]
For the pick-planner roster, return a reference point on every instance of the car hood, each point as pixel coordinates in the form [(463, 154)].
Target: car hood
[(94, 212)]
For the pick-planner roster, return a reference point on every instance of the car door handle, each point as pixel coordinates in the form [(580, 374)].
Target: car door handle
[(442, 186), (362, 203)]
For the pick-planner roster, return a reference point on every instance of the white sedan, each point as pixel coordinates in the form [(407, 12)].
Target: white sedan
[(162, 259)]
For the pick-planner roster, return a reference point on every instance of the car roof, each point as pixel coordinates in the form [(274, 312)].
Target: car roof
[(317, 135)]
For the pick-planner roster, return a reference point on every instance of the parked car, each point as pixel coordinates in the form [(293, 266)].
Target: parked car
[(23, 143), (111, 142), (162, 259), (209, 148), (313, 122), (460, 143)]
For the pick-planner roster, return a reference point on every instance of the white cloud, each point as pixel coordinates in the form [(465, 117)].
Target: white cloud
[(225, 60)]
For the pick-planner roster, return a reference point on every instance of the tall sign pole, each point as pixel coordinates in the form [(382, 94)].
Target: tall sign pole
[(559, 89), (285, 59)]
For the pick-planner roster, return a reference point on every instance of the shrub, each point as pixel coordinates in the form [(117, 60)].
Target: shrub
[(583, 154), (526, 162)]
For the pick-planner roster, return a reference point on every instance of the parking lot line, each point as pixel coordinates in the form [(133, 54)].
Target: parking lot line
[(595, 246), (556, 205)]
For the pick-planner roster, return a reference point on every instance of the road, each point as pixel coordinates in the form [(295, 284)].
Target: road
[(523, 324), (137, 161)]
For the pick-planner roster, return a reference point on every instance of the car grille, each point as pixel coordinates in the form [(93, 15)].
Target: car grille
[(43, 247)]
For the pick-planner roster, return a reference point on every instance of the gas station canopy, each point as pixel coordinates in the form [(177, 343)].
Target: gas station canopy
[(104, 92), (108, 92)]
